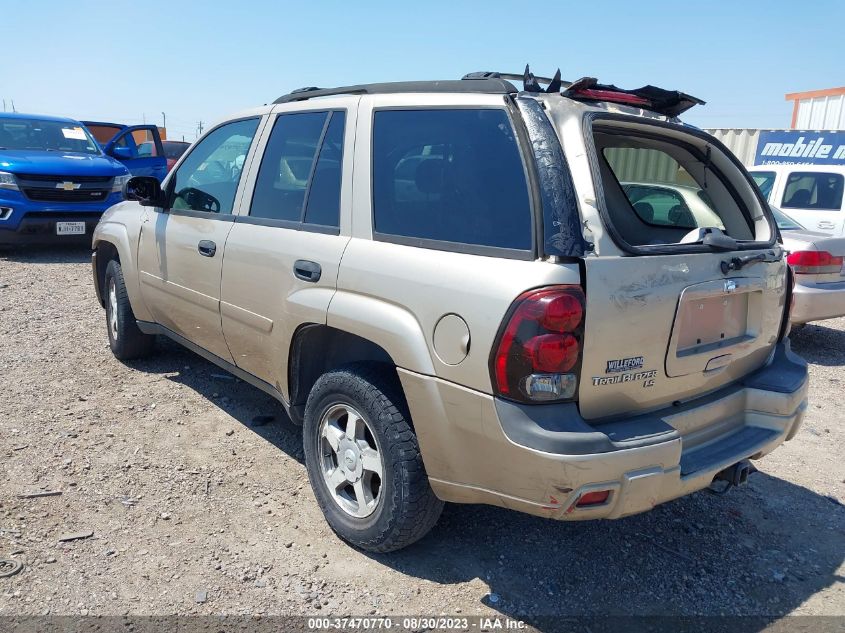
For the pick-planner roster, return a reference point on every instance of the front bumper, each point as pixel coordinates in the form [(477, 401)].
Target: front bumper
[(541, 459), (815, 302), (31, 222)]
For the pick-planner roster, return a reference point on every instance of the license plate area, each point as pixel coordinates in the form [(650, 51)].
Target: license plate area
[(70, 228), (714, 319), (712, 322)]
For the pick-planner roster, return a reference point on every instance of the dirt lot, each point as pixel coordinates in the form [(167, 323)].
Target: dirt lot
[(197, 508)]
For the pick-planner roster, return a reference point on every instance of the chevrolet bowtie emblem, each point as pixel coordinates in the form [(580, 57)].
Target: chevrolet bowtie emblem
[(67, 185)]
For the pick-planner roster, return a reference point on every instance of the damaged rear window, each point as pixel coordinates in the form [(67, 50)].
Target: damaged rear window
[(660, 191)]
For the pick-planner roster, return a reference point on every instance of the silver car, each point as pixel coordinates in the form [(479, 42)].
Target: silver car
[(817, 263)]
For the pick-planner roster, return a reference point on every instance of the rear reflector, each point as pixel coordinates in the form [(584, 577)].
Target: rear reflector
[(593, 499), (814, 262)]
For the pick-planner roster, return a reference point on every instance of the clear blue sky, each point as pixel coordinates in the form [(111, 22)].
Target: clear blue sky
[(124, 61)]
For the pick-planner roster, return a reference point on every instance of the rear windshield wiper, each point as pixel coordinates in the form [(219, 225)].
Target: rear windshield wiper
[(736, 263), (710, 236)]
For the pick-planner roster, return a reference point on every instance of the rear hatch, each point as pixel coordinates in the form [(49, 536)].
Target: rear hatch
[(689, 295)]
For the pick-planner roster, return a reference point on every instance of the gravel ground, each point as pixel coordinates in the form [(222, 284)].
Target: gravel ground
[(196, 508)]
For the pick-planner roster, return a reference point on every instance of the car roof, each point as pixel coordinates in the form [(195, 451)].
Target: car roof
[(669, 103), (40, 117)]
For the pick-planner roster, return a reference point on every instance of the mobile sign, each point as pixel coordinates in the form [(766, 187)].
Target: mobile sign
[(792, 147)]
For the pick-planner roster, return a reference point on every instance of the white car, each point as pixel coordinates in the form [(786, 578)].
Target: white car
[(816, 261), (812, 194)]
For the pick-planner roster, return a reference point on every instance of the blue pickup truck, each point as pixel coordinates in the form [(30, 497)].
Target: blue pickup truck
[(55, 179)]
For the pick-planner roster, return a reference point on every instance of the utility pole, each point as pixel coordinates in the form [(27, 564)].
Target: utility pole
[(4, 105), (199, 128), (164, 120), (13, 106)]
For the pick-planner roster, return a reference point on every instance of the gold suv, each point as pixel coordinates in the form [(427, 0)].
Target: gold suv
[(449, 287)]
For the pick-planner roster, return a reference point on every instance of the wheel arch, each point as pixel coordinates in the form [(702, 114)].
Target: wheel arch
[(316, 349), (112, 242)]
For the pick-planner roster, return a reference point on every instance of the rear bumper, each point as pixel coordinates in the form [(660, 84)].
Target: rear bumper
[(815, 302), (541, 459)]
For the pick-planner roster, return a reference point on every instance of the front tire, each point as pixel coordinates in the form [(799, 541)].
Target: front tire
[(127, 342), (364, 462)]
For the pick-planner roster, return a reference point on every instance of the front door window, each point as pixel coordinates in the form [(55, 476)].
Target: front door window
[(208, 178)]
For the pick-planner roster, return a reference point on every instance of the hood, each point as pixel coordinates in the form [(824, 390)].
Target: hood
[(795, 240), (18, 161)]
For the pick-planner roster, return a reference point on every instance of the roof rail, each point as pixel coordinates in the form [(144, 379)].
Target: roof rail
[(484, 85), (492, 74)]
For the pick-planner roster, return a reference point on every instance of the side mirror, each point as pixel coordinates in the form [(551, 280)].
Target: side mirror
[(121, 153), (146, 190)]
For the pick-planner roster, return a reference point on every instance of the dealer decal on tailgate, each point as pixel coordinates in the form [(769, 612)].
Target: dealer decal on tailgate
[(620, 365), (624, 364)]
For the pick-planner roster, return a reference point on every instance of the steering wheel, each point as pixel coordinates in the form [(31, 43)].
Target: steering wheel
[(199, 200)]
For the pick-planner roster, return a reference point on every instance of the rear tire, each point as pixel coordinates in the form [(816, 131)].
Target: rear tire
[(364, 462), (127, 342)]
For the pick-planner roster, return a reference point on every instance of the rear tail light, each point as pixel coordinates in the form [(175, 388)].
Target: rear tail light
[(537, 356), (814, 262)]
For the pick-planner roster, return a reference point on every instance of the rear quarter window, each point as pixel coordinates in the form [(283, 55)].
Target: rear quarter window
[(450, 175)]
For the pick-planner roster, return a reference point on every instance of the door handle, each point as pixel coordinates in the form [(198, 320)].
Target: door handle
[(207, 248), (307, 270), (825, 224)]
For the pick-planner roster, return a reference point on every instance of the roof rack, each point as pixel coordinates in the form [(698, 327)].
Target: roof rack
[(667, 102), (484, 85)]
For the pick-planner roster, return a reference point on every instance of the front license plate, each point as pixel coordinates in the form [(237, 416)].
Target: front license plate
[(70, 228)]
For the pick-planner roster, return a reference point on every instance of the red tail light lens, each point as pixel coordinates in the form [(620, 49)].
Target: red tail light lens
[(538, 353), (553, 353), (814, 262)]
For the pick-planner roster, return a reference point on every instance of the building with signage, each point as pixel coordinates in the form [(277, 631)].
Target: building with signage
[(818, 109), (816, 135)]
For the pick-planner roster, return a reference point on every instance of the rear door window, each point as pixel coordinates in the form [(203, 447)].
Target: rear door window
[(300, 174), (322, 206), (451, 176), (813, 190)]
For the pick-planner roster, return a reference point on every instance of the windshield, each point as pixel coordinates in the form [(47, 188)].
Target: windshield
[(785, 223), (764, 181), (45, 135)]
